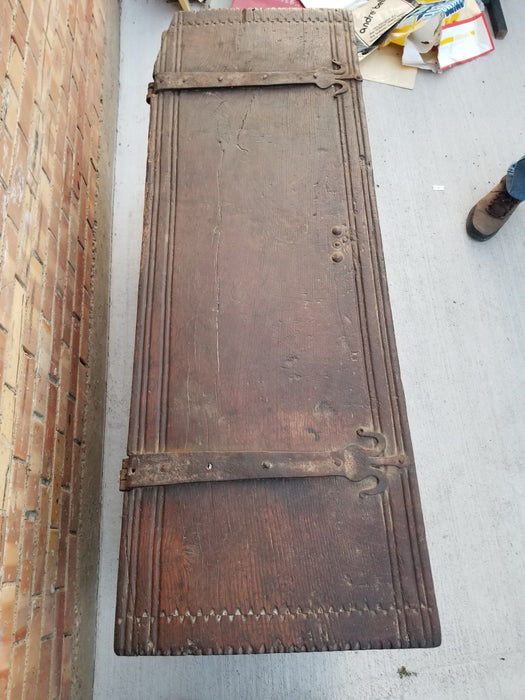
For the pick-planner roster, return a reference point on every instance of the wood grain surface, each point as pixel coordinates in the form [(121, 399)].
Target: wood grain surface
[(264, 325)]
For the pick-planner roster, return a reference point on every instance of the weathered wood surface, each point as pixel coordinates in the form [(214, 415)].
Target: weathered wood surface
[(264, 326)]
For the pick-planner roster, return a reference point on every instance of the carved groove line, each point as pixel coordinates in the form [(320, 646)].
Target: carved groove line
[(367, 352), (145, 316), (133, 549), (416, 551), (259, 20), (264, 615), (373, 252), (395, 391), (391, 536), (352, 216), (276, 648), (156, 559), (391, 543)]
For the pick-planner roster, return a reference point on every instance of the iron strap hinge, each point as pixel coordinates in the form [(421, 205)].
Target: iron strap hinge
[(323, 78), (355, 462)]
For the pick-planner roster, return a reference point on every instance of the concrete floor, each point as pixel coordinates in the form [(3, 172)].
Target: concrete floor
[(460, 328)]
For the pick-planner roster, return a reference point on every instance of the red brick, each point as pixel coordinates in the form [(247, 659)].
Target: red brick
[(16, 672), (68, 452), (7, 612), (32, 319), (90, 256), (58, 315), (78, 160), (40, 546), (68, 179), (15, 69), (10, 110), (51, 261), (92, 198), (55, 211), (25, 229), (20, 29), (36, 134), (59, 27), (65, 373), (27, 5), (48, 151), (7, 272), (65, 685), (24, 407), (3, 519), (13, 523), (75, 356), (74, 214), (72, 111), (68, 305), (49, 435), (49, 592), (53, 58), (5, 36), (43, 201), (82, 206), (33, 650), (6, 154), (44, 670), (3, 343), (28, 93), (43, 368), (56, 493), (79, 281), (63, 541), (15, 201), (81, 111), (32, 487), (89, 12), (56, 667), (84, 327), (68, 42), (63, 241), (49, 138), (60, 144), (36, 37), (94, 136), (80, 403), (71, 17), (49, 602), (76, 463), (69, 619), (24, 586)]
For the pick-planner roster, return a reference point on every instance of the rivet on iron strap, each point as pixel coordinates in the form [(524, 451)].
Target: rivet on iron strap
[(323, 78), (354, 462)]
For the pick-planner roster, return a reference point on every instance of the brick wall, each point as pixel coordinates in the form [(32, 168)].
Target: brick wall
[(51, 66)]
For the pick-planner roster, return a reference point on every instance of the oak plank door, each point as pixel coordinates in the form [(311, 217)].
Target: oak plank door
[(270, 497)]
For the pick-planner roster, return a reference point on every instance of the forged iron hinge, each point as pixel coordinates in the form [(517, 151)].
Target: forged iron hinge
[(323, 78), (354, 462)]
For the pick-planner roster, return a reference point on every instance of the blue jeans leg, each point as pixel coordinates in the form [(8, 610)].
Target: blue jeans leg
[(515, 182)]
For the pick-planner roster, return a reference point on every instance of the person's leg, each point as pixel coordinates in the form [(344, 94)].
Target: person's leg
[(515, 179), (487, 217)]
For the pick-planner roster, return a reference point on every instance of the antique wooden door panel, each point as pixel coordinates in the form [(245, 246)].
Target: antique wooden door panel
[(270, 501)]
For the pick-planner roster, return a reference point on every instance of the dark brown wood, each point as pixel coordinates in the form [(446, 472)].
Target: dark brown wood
[(264, 339)]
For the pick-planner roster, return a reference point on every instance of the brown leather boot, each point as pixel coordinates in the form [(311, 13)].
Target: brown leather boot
[(490, 213)]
